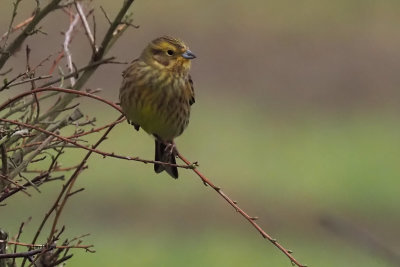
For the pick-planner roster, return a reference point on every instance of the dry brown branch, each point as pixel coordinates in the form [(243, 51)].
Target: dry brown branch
[(43, 77), (56, 169), (16, 27), (84, 133), (20, 147), (26, 162), (23, 189), (102, 153), (86, 26), (37, 181), (30, 74), (87, 247), (67, 41), (41, 249)]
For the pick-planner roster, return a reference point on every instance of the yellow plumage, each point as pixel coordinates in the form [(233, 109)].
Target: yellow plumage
[(157, 92)]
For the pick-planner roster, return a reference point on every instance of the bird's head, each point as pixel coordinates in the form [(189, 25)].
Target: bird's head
[(168, 53)]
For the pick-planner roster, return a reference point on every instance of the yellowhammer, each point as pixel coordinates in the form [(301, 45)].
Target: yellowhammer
[(156, 94)]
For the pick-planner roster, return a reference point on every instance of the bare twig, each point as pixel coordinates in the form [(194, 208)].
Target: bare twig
[(104, 154), (10, 49), (22, 106), (94, 64), (105, 15), (51, 126), (17, 243), (26, 254), (6, 83), (18, 236), (23, 189), (67, 41), (17, 27), (4, 163), (14, 13), (40, 250), (25, 163), (43, 77), (35, 181), (63, 90), (55, 169), (86, 26), (96, 130), (30, 75)]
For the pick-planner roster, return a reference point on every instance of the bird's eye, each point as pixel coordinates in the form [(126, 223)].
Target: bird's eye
[(170, 52)]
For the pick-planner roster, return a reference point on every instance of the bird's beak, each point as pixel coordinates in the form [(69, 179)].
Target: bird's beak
[(188, 55)]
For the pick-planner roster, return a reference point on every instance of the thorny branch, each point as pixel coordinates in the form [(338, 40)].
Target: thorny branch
[(41, 249), (22, 146), (104, 154)]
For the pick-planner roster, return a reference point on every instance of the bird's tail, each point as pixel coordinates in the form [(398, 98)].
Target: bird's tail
[(165, 156)]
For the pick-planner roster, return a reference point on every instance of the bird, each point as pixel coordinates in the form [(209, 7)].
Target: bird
[(156, 95)]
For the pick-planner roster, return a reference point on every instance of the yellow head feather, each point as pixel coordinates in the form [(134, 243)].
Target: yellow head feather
[(168, 53)]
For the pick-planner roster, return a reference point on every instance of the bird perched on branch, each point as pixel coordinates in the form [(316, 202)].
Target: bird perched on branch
[(156, 95)]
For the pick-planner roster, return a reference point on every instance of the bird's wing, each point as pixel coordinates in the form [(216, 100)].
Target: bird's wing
[(192, 99)]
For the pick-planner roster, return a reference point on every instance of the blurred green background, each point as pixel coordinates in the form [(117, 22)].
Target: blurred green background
[(296, 117)]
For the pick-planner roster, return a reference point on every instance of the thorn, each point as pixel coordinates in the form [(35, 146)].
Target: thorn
[(289, 251), (205, 183), (234, 201), (128, 158), (217, 188), (273, 240), (254, 218)]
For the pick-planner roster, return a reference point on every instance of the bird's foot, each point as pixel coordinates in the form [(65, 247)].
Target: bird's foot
[(170, 148)]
